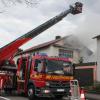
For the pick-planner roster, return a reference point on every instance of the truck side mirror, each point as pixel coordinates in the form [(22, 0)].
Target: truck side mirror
[(35, 68)]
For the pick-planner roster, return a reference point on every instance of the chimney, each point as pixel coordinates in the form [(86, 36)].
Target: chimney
[(57, 37)]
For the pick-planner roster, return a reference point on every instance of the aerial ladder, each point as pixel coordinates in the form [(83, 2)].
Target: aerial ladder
[(10, 49)]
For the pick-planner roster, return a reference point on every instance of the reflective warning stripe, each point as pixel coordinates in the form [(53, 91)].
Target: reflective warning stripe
[(1, 83)]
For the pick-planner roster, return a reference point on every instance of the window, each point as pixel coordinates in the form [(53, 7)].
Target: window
[(65, 53), (59, 67), (38, 65)]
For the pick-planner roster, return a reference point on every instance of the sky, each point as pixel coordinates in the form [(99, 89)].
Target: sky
[(18, 19)]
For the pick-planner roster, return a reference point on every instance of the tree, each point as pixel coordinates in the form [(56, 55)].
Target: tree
[(4, 4), (81, 60), (8, 3)]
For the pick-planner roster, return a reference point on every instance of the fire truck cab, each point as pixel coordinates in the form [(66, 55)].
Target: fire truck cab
[(44, 76)]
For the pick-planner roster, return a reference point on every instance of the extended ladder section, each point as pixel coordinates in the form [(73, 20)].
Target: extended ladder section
[(9, 50)]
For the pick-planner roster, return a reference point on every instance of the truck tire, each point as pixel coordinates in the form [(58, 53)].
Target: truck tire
[(31, 92), (8, 90)]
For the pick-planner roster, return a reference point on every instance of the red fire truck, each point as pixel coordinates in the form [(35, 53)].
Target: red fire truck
[(40, 75), (30, 78)]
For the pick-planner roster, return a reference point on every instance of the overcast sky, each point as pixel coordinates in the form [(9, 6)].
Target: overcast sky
[(19, 19)]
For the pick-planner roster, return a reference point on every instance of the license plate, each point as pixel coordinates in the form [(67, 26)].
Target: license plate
[(60, 90)]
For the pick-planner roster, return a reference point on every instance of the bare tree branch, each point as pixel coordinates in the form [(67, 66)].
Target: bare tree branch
[(19, 1), (8, 3), (13, 2)]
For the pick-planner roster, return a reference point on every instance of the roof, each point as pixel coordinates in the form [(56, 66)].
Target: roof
[(98, 36), (68, 48), (40, 46)]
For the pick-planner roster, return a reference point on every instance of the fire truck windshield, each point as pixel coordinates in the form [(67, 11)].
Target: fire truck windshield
[(59, 67)]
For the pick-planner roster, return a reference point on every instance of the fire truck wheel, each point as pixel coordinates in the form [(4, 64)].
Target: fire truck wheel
[(31, 92)]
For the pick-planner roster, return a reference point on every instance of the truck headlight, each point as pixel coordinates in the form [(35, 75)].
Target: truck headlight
[(46, 91), (47, 84)]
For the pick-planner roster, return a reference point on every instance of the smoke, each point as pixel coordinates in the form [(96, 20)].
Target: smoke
[(88, 28), (87, 23)]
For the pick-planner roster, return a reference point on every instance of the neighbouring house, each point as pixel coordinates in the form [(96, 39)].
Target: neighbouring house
[(98, 57)]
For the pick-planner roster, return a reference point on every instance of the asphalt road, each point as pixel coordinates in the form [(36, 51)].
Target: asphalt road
[(13, 98), (25, 98), (89, 96), (93, 96)]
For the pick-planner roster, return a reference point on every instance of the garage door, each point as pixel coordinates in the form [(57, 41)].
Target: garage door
[(84, 76)]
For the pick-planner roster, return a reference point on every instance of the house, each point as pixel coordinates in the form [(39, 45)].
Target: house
[(68, 46), (98, 57)]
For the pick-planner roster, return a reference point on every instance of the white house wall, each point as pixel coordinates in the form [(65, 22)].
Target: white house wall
[(98, 59), (51, 51), (61, 42), (45, 50), (76, 56), (54, 51)]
